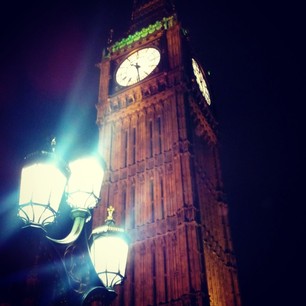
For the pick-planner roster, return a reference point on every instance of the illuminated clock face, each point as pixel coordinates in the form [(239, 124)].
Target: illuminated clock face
[(201, 80), (137, 66)]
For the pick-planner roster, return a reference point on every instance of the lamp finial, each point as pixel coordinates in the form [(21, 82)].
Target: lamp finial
[(110, 211), (53, 144)]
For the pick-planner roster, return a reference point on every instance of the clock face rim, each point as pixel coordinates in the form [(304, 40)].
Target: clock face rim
[(200, 79), (130, 66)]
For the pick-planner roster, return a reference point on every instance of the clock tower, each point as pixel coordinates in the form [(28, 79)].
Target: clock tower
[(158, 137)]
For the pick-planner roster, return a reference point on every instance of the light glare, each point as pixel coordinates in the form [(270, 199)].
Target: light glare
[(41, 190), (84, 183)]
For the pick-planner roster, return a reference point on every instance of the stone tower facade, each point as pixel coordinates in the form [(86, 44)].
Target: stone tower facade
[(158, 137)]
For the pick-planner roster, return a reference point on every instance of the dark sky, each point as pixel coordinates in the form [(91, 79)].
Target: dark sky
[(49, 85)]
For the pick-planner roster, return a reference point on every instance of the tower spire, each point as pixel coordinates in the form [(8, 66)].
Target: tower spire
[(146, 12)]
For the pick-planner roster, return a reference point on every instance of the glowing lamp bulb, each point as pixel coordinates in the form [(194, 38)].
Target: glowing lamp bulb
[(84, 184), (109, 252), (41, 189)]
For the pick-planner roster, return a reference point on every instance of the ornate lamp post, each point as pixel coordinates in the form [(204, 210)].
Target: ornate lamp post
[(62, 271)]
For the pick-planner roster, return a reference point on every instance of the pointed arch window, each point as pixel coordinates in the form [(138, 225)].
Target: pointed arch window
[(123, 215), (134, 145), (159, 134), (150, 138), (111, 149), (152, 200), (154, 276), (165, 272), (162, 202), (133, 206), (125, 148)]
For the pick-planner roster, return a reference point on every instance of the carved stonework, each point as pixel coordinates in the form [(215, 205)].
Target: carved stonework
[(150, 111), (141, 178), (184, 146), (142, 249), (140, 166), (169, 168), (202, 126), (150, 174)]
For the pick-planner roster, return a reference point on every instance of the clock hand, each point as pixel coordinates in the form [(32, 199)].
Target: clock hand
[(128, 82), (137, 68)]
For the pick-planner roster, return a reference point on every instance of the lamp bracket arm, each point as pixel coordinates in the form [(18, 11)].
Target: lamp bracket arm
[(80, 217)]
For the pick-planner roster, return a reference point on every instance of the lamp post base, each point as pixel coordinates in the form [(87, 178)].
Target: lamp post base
[(99, 296), (36, 271)]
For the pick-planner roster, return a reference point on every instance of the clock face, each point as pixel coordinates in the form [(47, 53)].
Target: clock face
[(201, 80), (137, 66)]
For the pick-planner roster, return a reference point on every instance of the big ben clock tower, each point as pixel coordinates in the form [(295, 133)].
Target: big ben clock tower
[(158, 137)]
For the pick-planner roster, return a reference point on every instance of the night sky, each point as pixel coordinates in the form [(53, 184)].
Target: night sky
[(49, 86)]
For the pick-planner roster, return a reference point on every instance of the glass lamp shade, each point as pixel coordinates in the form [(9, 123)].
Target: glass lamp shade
[(84, 184), (43, 180), (109, 251)]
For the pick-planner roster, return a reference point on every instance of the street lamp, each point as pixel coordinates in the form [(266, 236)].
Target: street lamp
[(63, 271), (109, 264), (43, 180)]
